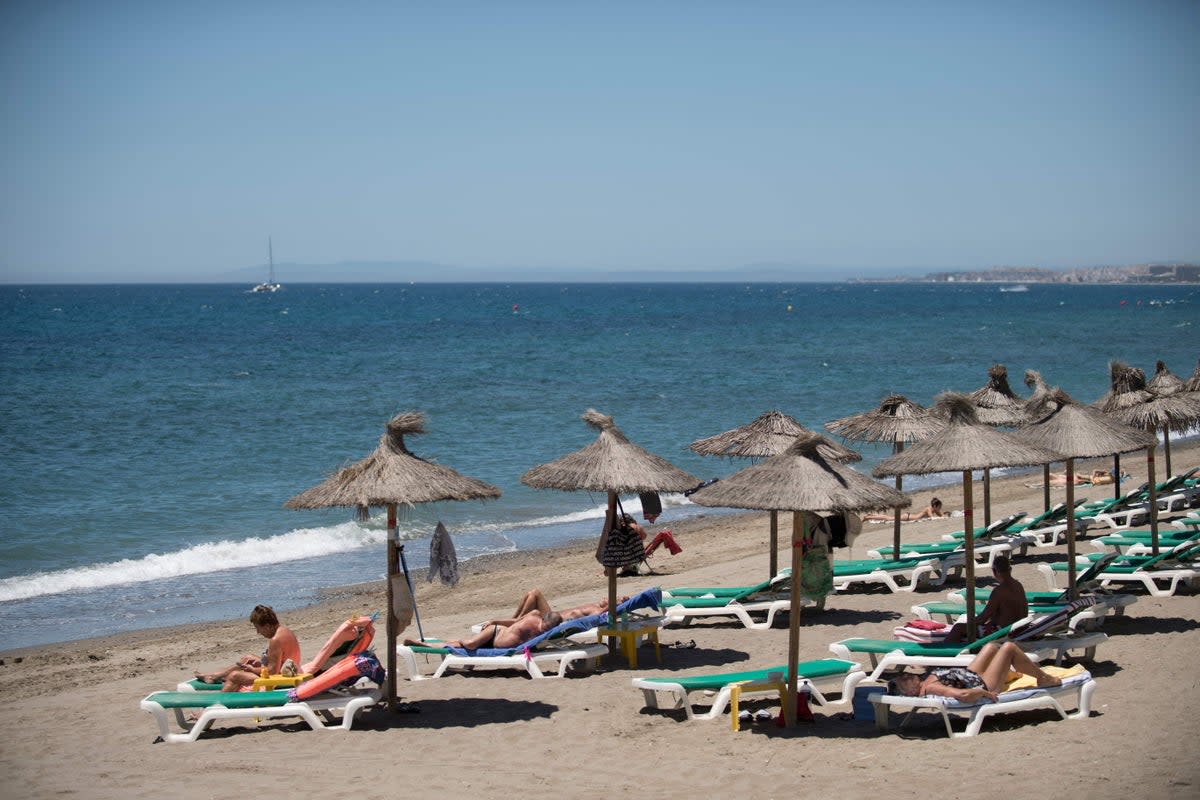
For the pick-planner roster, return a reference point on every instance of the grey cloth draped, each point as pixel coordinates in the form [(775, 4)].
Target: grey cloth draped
[(443, 562)]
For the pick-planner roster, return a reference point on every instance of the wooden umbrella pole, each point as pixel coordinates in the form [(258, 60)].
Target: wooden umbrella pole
[(898, 447), (612, 575), (1153, 499), (1167, 451), (1072, 589), (969, 555), (987, 497), (1045, 487), (774, 565), (393, 567), (1116, 475), (799, 532)]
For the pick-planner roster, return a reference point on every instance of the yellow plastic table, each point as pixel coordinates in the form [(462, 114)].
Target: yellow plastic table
[(629, 631), (735, 695)]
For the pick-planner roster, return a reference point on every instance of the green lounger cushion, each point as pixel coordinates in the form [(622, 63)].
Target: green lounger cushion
[(716, 591), (226, 699), (866, 565), (820, 668)]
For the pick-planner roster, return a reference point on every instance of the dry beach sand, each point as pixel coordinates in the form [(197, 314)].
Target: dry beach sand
[(72, 726)]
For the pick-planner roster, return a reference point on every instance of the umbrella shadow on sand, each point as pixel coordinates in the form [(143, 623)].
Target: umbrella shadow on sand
[(458, 712)]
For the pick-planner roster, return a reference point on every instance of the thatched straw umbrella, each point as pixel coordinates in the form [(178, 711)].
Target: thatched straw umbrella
[(1130, 402), (1186, 407), (996, 404), (392, 476), (769, 435), (963, 446), (897, 420), (1039, 390), (1065, 426), (611, 464), (798, 480), (1192, 384)]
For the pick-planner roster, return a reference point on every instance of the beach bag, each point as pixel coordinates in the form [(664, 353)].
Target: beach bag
[(620, 546), (816, 575)]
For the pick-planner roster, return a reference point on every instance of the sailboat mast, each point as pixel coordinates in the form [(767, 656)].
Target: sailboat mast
[(271, 260)]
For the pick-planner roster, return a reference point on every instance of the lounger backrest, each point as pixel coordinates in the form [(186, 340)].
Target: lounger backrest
[(1001, 525), (1039, 625), (1090, 574)]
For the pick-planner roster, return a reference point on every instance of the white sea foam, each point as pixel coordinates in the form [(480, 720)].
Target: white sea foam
[(202, 558)]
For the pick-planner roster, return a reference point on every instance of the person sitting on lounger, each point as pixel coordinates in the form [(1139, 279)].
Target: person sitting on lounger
[(986, 675), (663, 537), (282, 646), (535, 600), (1005, 605), (503, 637), (931, 511)]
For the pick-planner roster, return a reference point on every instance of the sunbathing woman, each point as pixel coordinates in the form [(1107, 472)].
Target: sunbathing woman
[(931, 511), (494, 635), (535, 600), (986, 675)]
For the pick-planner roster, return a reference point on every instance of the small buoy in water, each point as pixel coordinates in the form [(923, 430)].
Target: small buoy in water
[(789, 308)]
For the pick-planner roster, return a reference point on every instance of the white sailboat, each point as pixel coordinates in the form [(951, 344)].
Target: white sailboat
[(270, 285)]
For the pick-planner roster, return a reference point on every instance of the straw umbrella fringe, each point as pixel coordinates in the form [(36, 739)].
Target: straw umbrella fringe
[(614, 465), (897, 420), (1065, 426), (392, 476), (1192, 384), (798, 480), (770, 434), (965, 445)]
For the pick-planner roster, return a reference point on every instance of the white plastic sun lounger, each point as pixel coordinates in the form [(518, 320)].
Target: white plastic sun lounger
[(679, 613), (252, 705), (550, 660), (819, 676), (1076, 690), (931, 570)]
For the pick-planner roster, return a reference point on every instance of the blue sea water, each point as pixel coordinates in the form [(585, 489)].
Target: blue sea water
[(151, 434)]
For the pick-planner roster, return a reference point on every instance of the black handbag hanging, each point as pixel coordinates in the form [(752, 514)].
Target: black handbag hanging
[(621, 546)]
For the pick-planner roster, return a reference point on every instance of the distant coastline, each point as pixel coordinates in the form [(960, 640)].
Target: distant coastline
[(1140, 273)]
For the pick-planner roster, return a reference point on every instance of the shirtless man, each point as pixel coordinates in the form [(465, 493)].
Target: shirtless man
[(503, 636), (282, 646), (1006, 605)]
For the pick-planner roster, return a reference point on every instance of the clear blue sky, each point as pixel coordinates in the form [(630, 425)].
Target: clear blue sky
[(167, 140)]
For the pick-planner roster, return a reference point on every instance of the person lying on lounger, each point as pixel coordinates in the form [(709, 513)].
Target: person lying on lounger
[(282, 646), (986, 675), (502, 637), (931, 511), (535, 600), (1006, 604)]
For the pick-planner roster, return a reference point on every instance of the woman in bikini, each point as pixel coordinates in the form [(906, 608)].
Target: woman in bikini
[(503, 636), (986, 675), (931, 511)]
